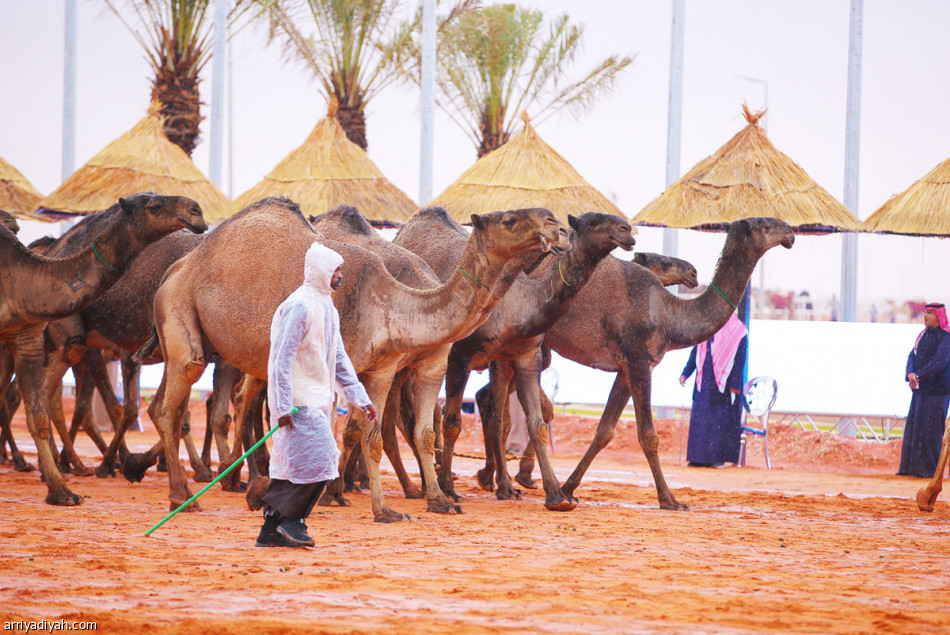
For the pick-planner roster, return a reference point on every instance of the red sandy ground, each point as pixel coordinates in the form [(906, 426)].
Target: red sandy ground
[(829, 541)]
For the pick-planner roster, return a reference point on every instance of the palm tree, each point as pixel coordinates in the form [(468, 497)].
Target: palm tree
[(358, 48), (496, 61), (176, 36)]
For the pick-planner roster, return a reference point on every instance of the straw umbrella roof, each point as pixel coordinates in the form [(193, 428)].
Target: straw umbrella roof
[(17, 195), (140, 160), (524, 172), (747, 177), (329, 170), (923, 209)]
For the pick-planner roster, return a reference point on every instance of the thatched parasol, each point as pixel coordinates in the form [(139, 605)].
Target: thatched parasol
[(525, 172), (747, 177), (330, 170), (140, 160), (923, 209), (17, 195)]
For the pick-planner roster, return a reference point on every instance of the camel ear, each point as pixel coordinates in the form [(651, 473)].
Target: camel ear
[(743, 226), (572, 221), (639, 258), (477, 222), (126, 205)]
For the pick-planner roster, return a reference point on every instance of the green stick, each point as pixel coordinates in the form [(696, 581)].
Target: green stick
[(209, 485)]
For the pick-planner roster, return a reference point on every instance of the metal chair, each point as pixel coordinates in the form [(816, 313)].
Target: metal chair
[(758, 397)]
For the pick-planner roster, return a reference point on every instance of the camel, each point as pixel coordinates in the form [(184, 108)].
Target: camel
[(624, 321), (492, 399), (514, 333), (35, 290), (201, 309), (927, 496)]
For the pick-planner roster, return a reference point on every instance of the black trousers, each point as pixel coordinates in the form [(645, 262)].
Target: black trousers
[(292, 500)]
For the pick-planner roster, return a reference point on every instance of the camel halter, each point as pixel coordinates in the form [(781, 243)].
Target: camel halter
[(475, 280), (713, 285), (563, 279), (95, 251)]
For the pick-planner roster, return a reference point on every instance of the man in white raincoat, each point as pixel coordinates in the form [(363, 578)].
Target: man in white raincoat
[(307, 360)]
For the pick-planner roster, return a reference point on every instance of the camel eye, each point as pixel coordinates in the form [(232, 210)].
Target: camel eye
[(508, 223)]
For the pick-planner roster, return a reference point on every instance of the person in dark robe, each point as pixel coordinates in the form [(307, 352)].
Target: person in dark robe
[(716, 415), (306, 362), (928, 373)]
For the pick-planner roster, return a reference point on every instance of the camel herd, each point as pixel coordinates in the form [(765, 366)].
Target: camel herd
[(439, 301)]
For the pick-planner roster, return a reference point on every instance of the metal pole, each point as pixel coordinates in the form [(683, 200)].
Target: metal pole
[(428, 101), (218, 56), (209, 485), (69, 91), (849, 243), (674, 118)]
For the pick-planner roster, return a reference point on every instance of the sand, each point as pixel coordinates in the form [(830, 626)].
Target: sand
[(829, 541)]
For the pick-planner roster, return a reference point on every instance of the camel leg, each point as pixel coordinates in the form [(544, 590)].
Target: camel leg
[(495, 428), (175, 388), (429, 375), (226, 379), (28, 355), (456, 376), (927, 496), (606, 427), (209, 433), (527, 379), (394, 410), (7, 409), (202, 472), (526, 464), (53, 389), (352, 434), (130, 413), (358, 428), (486, 475), (249, 389), (82, 414)]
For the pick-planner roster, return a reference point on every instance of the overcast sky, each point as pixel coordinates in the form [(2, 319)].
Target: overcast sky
[(798, 49)]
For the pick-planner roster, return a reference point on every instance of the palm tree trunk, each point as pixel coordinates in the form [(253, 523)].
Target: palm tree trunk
[(180, 105), (353, 121)]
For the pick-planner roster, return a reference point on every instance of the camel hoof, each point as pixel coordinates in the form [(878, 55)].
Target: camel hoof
[(508, 493), (926, 500), (328, 500), (486, 479), (675, 506), (526, 481), (81, 470), (414, 493), (389, 516), (135, 467), (22, 466), (566, 505), (255, 492), (194, 507), (105, 471), (444, 507), (64, 498), (203, 476), (238, 488)]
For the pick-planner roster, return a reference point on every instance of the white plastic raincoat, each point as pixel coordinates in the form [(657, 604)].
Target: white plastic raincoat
[(307, 360)]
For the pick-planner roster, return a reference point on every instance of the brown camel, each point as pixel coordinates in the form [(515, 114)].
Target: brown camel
[(8, 220), (670, 271), (513, 334), (202, 308), (35, 290), (927, 496), (624, 321)]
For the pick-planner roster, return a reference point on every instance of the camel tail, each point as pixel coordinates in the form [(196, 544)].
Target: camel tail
[(148, 348)]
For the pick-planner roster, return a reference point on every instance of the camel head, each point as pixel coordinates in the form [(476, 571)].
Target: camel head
[(347, 218), (602, 231), (9, 221), (517, 231), (668, 269), (154, 215), (755, 236)]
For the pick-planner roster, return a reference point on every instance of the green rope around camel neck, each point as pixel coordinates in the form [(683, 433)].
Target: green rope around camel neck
[(563, 279), (95, 251), (713, 285), (475, 280)]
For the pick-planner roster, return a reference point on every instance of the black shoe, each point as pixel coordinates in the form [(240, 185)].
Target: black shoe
[(295, 530), (276, 540)]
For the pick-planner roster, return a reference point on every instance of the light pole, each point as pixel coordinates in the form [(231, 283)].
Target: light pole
[(761, 265)]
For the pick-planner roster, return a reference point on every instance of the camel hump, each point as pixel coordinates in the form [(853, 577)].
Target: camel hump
[(438, 214), (270, 205), (348, 218)]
